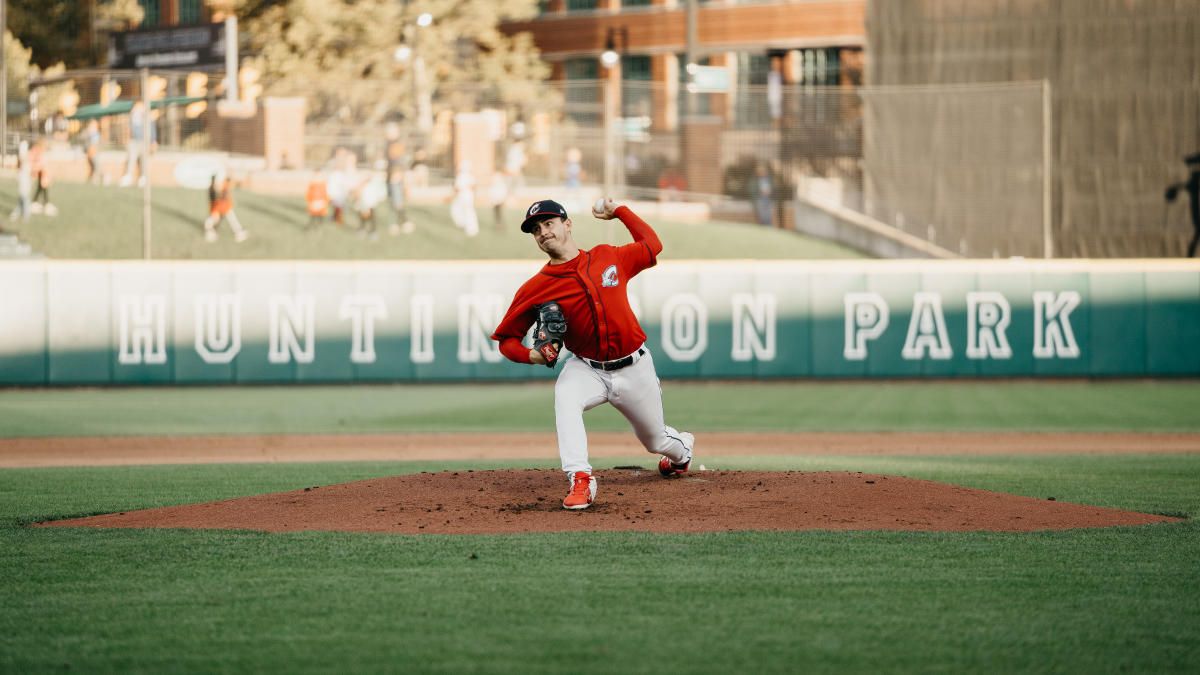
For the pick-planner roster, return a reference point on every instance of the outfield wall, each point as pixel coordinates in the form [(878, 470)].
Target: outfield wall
[(72, 323)]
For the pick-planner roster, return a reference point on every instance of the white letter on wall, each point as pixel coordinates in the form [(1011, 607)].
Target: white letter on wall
[(866, 316), (988, 314), (287, 332), (753, 327), (363, 311), (143, 329), (1052, 334), (218, 327), (421, 329), (927, 329), (478, 316), (684, 327)]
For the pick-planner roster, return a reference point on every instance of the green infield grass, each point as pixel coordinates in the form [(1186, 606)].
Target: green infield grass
[(1086, 601), (1113, 405), (106, 223)]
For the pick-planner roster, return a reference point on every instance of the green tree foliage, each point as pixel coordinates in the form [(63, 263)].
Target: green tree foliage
[(21, 69), (354, 59), (61, 31)]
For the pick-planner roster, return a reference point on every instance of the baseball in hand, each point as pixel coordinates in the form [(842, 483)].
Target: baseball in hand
[(598, 207)]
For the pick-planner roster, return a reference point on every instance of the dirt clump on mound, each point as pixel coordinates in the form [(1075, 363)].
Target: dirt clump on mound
[(511, 501)]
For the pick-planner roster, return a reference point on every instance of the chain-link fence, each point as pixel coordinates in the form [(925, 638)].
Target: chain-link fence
[(895, 171)]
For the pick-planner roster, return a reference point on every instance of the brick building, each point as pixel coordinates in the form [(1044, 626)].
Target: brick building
[(817, 42)]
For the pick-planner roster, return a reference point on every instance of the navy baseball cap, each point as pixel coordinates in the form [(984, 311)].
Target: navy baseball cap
[(539, 211)]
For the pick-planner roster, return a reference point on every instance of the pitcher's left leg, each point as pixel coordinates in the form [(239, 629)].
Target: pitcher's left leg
[(636, 392)]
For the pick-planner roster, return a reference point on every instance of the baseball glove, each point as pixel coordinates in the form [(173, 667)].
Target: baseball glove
[(550, 331)]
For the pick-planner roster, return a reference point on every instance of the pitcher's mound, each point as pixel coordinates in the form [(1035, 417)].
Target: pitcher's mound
[(486, 502)]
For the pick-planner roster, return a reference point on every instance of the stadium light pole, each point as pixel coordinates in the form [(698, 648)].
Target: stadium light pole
[(609, 59), (145, 173), (424, 107), (3, 83)]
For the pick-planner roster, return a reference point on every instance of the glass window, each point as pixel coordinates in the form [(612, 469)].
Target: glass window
[(636, 3), (584, 93), (585, 68), (637, 95), (189, 11), (150, 19), (752, 107), (819, 67), (581, 5)]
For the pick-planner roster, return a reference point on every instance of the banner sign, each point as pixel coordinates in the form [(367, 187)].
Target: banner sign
[(231, 322), (190, 47)]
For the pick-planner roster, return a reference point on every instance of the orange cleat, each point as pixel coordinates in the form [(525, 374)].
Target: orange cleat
[(668, 468), (583, 491)]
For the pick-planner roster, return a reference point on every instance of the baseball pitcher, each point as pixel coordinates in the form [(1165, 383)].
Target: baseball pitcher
[(578, 300)]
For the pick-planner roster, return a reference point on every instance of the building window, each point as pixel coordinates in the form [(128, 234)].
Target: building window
[(818, 67), (583, 91), (581, 5), (637, 95), (636, 3), (189, 11), (752, 108), (753, 68), (151, 17)]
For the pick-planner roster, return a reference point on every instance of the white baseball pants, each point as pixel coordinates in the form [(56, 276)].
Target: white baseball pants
[(634, 390)]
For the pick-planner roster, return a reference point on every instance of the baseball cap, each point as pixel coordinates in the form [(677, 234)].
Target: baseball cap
[(547, 208)]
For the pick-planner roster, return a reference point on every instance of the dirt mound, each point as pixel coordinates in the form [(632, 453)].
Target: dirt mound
[(487, 502)]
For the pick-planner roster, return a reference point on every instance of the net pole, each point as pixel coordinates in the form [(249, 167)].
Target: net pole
[(144, 175), (1047, 159)]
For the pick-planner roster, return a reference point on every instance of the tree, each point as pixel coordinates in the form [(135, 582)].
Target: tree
[(20, 70), (62, 31), (353, 60)]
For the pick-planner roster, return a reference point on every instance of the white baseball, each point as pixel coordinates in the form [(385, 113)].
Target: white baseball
[(598, 207)]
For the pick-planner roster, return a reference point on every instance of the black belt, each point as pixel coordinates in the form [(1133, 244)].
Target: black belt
[(616, 364)]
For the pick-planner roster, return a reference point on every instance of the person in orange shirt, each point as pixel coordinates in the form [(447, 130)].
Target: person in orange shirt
[(317, 199), (220, 206)]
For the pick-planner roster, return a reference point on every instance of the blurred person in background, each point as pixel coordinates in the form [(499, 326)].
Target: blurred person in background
[(515, 160), (24, 185), (91, 150), (671, 184), (1192, 185), (397, 192), (498, 193), (220, 207), (396, 155), (343, 181), (316, 199), (762, 190), (418, 175), (573, 175), (462, 206), (41, 179), (370, 195), (140, 125)]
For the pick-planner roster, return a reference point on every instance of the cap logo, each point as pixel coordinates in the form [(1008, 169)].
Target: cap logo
[(534, 209)]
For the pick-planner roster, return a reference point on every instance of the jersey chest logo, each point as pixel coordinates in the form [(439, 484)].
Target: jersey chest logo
[(610, 276)]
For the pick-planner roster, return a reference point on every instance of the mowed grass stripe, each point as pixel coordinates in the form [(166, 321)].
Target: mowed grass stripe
[(1117, 599), (106, 223), (1122, 405)]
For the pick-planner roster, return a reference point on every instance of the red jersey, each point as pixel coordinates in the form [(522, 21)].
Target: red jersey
[(591, 288)]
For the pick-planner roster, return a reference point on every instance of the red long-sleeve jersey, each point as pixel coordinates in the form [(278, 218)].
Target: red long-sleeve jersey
[(591, 288)]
